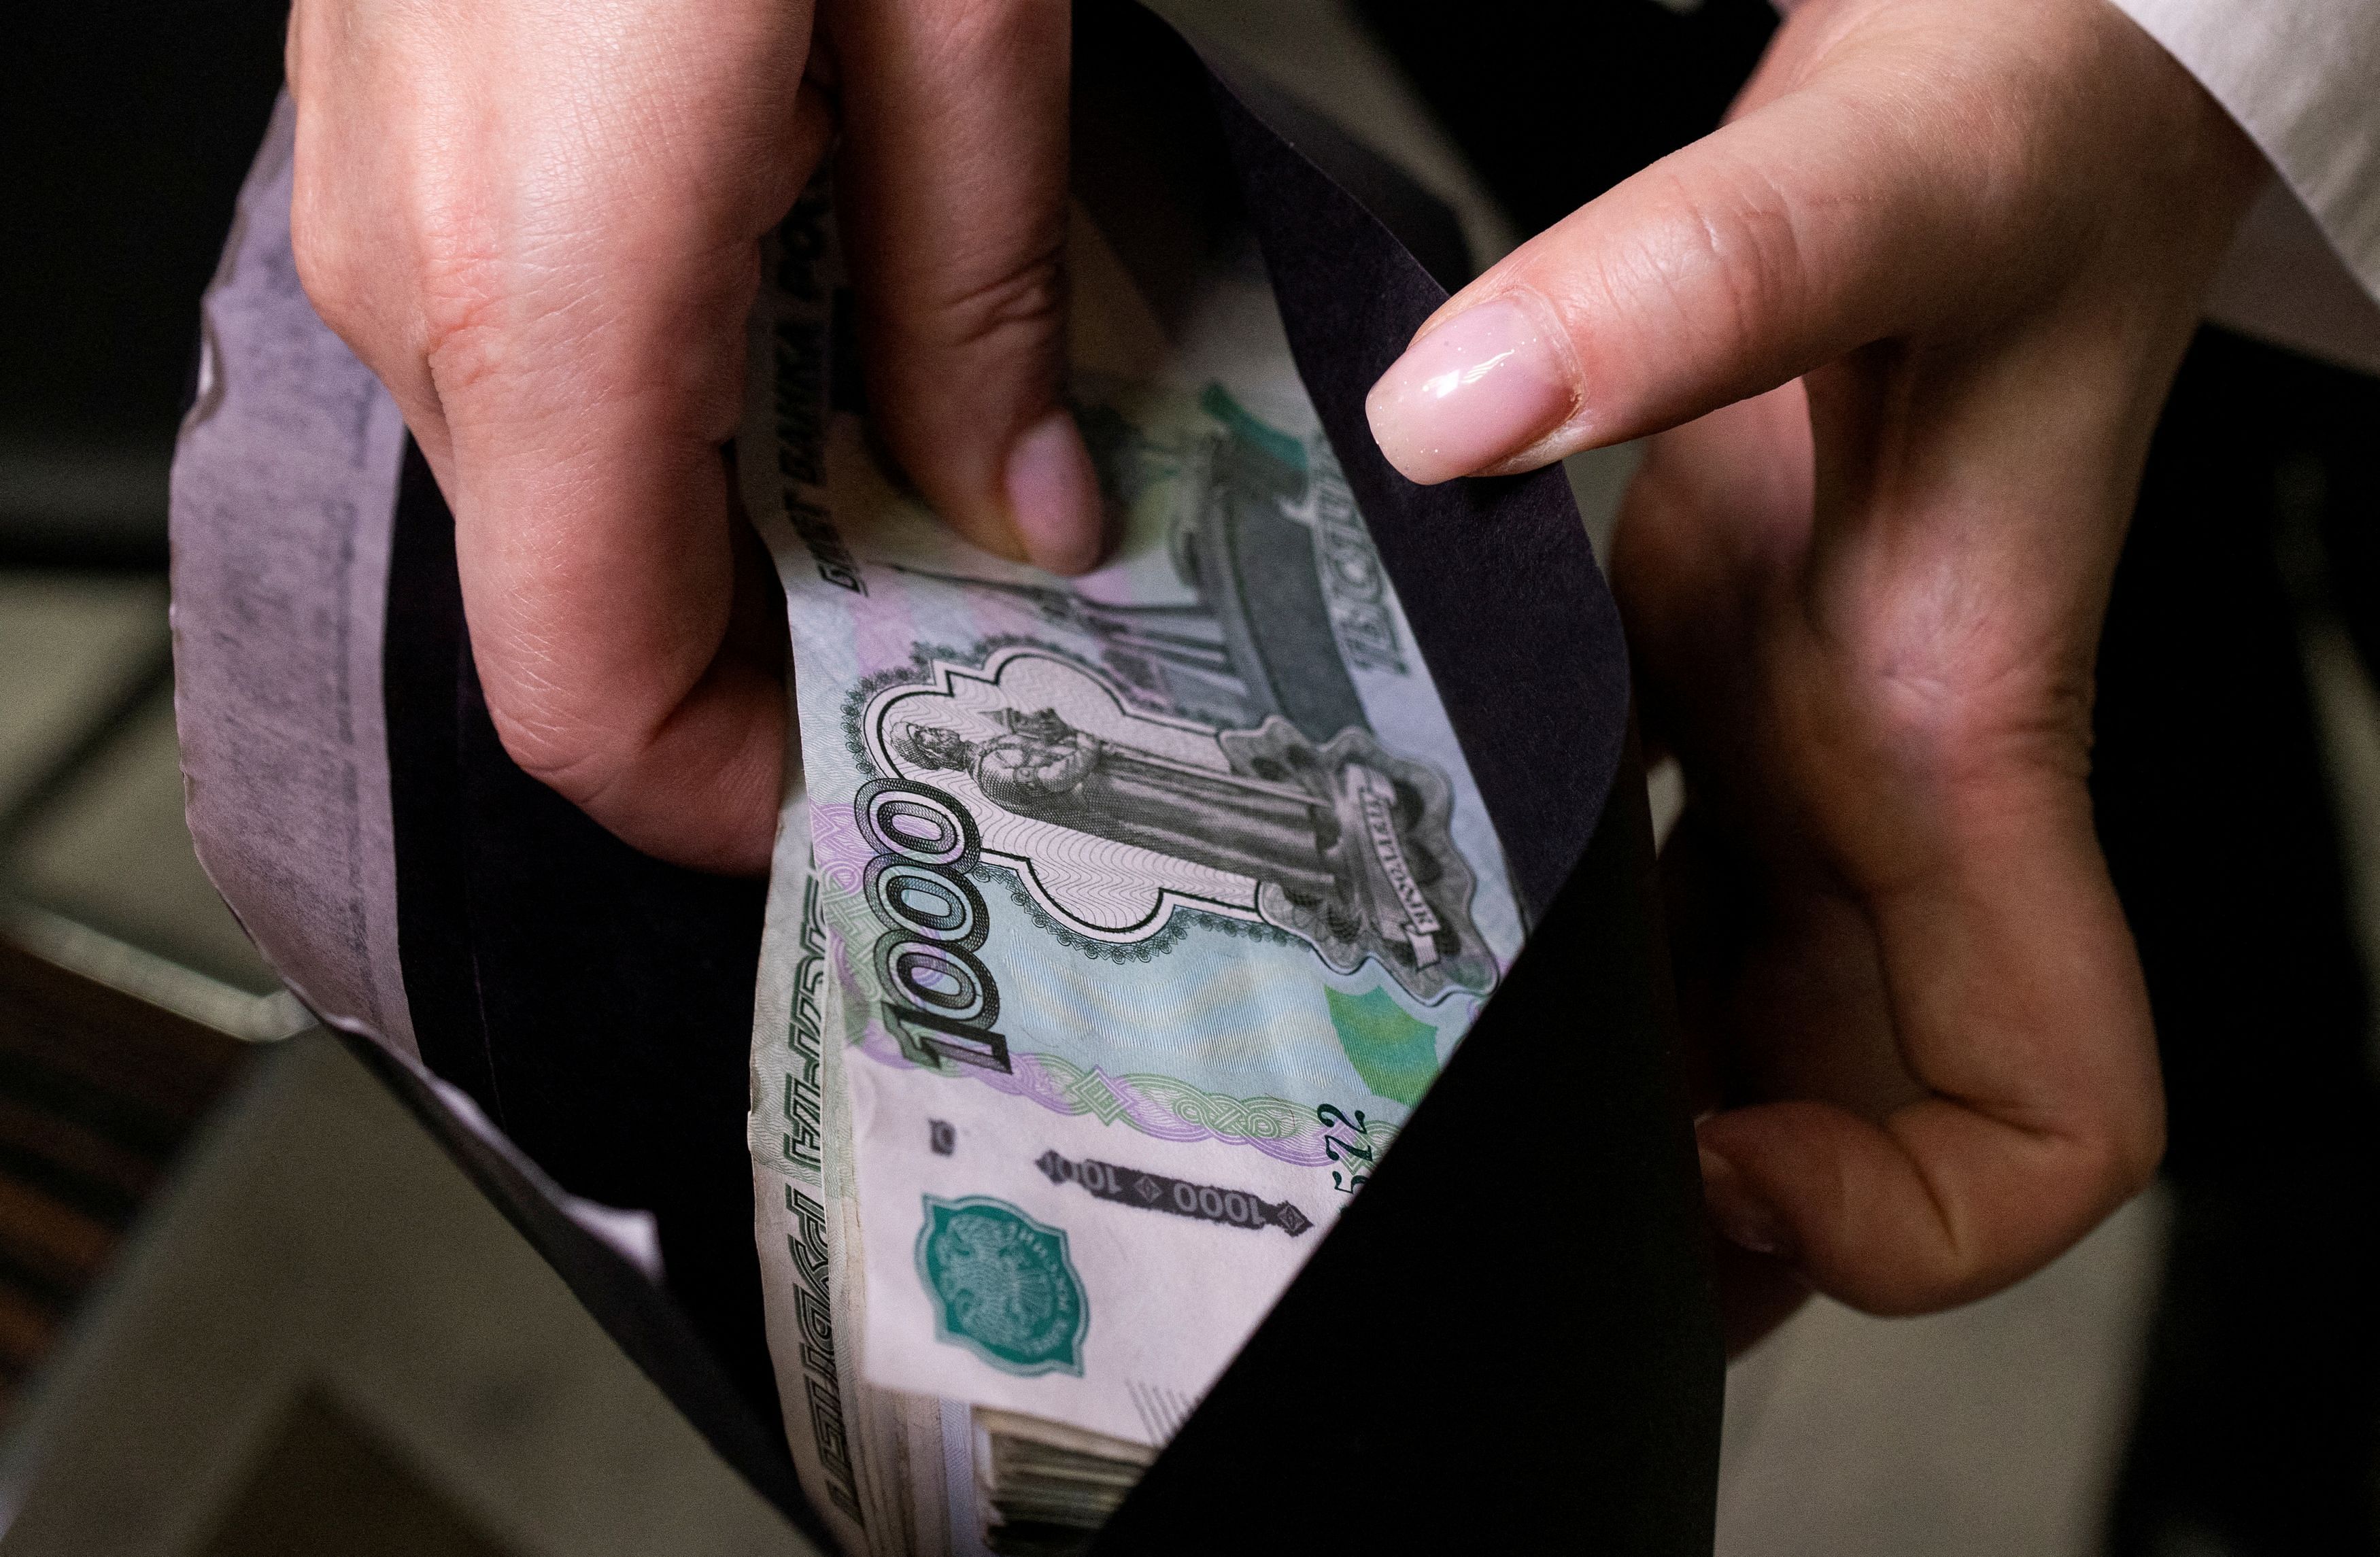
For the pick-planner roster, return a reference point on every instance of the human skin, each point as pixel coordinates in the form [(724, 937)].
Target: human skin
[(539, 222), (1902, 330)]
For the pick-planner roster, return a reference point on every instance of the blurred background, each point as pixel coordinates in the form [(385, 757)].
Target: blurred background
[(2200, 1377), (127, 127)]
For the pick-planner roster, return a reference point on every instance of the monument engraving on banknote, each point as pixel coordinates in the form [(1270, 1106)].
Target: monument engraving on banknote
[(1114, 816)]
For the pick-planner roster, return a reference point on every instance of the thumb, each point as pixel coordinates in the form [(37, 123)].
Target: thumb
[(1781, 241), (953, 192)]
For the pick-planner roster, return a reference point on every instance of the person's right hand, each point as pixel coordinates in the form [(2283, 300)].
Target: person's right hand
[(540, 225)]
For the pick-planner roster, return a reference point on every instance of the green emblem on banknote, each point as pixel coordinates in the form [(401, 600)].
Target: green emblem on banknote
[(1003, 1286), (1396, 1055)]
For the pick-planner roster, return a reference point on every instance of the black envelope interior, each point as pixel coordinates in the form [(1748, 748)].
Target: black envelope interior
[(1508, 1340)]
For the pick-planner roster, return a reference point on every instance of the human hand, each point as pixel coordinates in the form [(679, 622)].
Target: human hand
[(1910, 317), (540, 225)]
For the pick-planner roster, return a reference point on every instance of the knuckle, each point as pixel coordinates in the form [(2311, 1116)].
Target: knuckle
[(594, 734), (580, 760), (464, 304), (1754, 244), (1737, 264), (330, 259), (1703, 266), (991, 304), (2131, 1148), (1912, 666), (396, 283), (552, 724), (970, 28), (1954, 735)]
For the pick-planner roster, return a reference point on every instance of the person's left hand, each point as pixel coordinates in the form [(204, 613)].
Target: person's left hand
[(1910, 315)]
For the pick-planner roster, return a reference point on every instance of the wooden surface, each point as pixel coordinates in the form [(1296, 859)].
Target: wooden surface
[(97, 1091)]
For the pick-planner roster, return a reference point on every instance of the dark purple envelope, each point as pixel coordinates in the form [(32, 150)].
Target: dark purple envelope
[(1508, 1343)]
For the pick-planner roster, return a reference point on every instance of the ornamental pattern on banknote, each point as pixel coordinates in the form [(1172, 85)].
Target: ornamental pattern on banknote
[(1171, 1109)]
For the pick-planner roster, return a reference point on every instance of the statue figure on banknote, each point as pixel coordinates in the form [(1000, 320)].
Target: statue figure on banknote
[(1347, 845), (1044, 767)]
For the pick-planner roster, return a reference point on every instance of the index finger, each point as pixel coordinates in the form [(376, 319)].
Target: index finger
[(554, 285)]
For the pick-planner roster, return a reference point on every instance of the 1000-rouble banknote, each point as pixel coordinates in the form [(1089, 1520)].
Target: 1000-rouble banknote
[(1118, 922)]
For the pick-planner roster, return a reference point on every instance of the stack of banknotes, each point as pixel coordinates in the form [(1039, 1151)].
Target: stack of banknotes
[(1116, 924)]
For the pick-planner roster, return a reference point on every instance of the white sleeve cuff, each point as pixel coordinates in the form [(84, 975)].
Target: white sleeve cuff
[(2303, 78)]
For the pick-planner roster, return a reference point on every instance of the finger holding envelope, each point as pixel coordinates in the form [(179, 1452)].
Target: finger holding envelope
[(1955, 257)]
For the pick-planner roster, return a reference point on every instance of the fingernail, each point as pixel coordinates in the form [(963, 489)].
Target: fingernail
[(1742, 1217), (1481, 386), (1053, 496)]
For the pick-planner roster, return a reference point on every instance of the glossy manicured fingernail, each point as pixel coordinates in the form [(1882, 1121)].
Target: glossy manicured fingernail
[(1742, 1217), (1053, 496), (1479, 388)]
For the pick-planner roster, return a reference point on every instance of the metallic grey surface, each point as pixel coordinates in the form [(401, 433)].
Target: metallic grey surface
[(319, 1246)]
